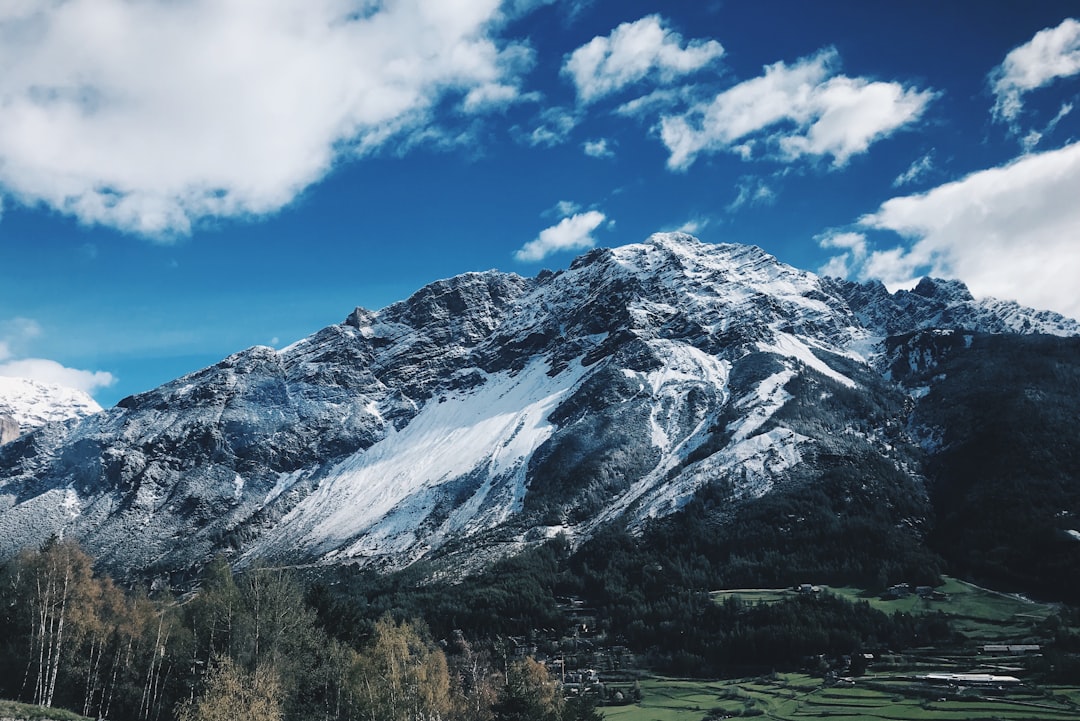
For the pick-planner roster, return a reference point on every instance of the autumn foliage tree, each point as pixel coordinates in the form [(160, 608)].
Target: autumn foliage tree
[(235, 694), (242, 646), (62, 604), (401, 675)]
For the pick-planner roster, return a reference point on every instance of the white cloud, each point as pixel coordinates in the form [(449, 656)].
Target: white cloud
[(572, 233), (836, 267), (598, 148), (1008, 232), (854, 243), (853, 246), (1051, 54), (792, 111), (693, 226), (49, 371), (632, 52), (752, 191), (917, 170), (148, 116), (563, 209), (15, 334), (1029, 141), (555, 126), (657, 101)]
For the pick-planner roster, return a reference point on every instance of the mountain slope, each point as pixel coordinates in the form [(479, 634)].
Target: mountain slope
[(489, 411), (997, 416)]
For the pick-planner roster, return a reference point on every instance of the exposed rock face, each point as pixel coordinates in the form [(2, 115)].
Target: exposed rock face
[(9, 429), (490, 410)]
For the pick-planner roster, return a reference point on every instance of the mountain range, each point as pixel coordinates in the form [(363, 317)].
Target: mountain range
[(490, 412)]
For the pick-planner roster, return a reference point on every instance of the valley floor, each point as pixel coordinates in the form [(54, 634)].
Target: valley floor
[(910, 687), (799, 696)]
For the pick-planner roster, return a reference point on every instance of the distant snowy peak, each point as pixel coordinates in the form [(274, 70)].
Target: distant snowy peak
[(26, 404), (938, 303)]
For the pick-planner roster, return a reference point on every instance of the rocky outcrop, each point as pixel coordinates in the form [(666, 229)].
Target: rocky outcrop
[(9, 429)]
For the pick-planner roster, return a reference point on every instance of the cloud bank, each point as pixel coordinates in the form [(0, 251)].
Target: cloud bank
[(1008, 232), (149, 116)]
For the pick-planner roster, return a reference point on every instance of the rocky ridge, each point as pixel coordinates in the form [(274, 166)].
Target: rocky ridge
[(489, 411)]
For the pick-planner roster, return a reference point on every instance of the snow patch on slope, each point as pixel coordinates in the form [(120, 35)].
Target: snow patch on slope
[(375, 501), (788, 345), (685, 367)]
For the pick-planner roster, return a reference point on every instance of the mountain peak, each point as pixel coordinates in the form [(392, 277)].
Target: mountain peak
[(674, 239), (941, 289)]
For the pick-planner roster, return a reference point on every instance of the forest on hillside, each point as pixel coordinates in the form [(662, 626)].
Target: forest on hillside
[(357, 645), (241, 648)]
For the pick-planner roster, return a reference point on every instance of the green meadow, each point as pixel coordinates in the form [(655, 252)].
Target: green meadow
[(980, 614), (796, 696), (27, 712)]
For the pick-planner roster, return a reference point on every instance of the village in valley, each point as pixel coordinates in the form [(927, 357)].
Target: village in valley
[(995, 666)]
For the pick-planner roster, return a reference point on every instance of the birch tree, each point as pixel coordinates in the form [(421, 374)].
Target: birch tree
[(63, 601), (401, 676)]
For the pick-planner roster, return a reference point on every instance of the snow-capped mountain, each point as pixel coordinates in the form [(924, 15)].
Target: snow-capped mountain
[(26, 404), (489, 411)]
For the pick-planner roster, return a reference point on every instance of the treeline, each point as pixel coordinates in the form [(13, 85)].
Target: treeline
[(245, 647), (650, 593)]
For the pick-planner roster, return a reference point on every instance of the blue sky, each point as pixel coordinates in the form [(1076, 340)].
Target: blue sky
[(182, 179)]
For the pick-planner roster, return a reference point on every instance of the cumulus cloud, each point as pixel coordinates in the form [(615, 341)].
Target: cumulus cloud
[(853, 246), (49, 371), (693, 226), (1008, 232), (15, 334), (1051, 54), (572, 233), (803, 109), (633, 52), (562, 209), (148, 116), (598, 148)]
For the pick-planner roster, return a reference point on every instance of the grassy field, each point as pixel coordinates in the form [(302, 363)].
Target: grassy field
[(28, 712), (978, 613), (982, 615), (796, 696)]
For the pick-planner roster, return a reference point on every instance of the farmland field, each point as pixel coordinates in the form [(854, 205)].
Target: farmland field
[(797, 696), (892, 691)]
